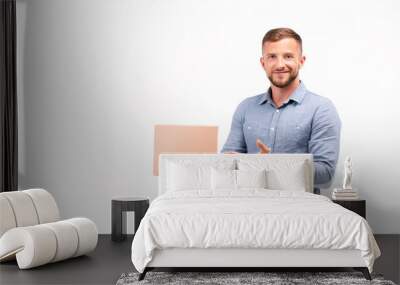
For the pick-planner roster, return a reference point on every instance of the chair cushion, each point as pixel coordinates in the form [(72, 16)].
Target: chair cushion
[(88, 235), (23, 208), (7, 220), (45, 205), (67, 239), (33, 246)]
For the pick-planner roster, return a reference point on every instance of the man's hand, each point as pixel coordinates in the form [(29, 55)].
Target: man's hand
[(263, 148)]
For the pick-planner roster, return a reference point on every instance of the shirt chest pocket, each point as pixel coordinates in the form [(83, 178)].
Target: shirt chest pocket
[(296, 134)]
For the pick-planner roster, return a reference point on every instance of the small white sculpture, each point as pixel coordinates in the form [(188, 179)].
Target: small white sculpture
[(347, 173)]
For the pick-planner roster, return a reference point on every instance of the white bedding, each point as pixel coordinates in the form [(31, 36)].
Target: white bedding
[(250, 218)]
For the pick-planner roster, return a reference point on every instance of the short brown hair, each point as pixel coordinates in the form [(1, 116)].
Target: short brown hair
[(278, 34)]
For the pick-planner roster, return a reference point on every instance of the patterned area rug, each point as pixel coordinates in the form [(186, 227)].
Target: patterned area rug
[(270, 278)]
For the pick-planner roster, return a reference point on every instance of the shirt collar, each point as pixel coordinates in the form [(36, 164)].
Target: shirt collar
[(297, 95)]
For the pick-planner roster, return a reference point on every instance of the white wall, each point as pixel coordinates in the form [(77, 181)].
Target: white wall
[(96, 75)]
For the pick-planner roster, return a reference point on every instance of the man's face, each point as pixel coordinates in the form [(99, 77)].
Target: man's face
[(282, 61)]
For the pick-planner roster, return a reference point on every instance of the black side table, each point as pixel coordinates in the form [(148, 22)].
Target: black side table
[(119, 207), (357, 206)]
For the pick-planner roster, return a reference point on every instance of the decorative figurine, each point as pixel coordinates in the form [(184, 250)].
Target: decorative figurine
[(347, 174)]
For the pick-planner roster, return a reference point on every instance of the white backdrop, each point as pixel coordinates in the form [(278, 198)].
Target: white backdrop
[(95, 76)]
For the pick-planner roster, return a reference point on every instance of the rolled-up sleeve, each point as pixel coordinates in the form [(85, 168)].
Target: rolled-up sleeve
[(236, 141), (324, 142)]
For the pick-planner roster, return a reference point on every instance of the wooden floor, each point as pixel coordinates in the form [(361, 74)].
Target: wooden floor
[(111, 259)]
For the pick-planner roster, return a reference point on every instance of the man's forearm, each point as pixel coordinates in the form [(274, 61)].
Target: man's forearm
[(233, 148), (323, 173)]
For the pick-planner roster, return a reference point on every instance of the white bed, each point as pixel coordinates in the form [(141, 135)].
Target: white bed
[(201, 220)]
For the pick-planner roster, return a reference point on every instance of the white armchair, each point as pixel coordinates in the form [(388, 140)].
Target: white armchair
[(31, 230)]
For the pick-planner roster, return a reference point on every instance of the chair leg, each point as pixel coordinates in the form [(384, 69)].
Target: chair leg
[(364, 271), (142, 275)]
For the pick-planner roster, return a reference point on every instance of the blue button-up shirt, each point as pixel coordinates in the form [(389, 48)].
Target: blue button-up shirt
[(305, 123)]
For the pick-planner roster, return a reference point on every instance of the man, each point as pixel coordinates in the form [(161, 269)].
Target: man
[(287, 118)]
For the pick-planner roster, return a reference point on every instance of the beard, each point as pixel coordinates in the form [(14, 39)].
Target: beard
[(285, 83)]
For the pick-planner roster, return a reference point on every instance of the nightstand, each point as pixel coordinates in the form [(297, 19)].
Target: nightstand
[(357, 206), (119, 207)]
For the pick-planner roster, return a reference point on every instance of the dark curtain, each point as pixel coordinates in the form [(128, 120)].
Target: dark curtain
[(8, 92)]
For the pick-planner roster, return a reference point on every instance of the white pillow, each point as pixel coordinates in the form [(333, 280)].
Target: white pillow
[(188, 173), (237, 179), (278, 180), (223, 179), (282, 174), (251, 178), (188, 177)]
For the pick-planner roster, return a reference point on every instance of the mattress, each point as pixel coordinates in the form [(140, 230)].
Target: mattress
[(250, 219)]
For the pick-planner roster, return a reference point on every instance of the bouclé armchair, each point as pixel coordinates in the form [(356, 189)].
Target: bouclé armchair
[(31, 230)]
